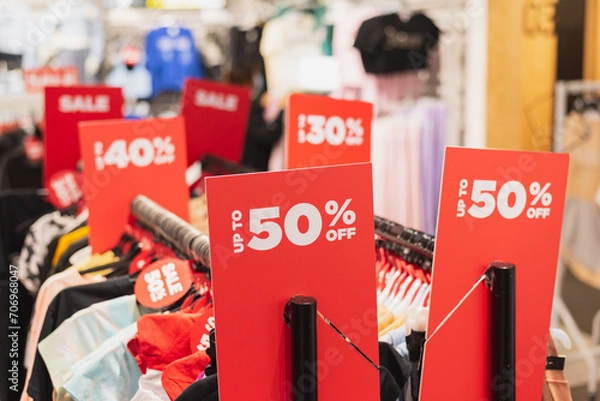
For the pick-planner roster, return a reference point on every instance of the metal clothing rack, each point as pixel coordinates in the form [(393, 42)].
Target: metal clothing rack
[(188, 240), (410, 238)]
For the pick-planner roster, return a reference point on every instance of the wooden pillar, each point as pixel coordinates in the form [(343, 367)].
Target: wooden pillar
[(591, 58), (522, 54)]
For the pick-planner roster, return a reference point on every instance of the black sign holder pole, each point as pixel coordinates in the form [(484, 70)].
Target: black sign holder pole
[(503, 306), (301, 314)]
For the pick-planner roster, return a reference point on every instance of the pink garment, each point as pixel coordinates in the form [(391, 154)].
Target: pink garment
[(388, 91), (385, 91), (396, 161), (348, 19), (49, 289)]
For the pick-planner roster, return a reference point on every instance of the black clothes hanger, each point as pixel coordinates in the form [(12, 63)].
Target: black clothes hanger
[(216, 165), (410, 238), (188, 241), (119, 267)]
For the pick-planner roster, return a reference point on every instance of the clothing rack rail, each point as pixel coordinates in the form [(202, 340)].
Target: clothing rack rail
[(412, 239), (190, 241), (219, 166)]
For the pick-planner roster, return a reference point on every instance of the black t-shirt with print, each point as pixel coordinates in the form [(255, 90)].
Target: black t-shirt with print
[(389, 44)]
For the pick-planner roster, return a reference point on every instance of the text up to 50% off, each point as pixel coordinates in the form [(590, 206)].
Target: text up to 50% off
[(266, 225)]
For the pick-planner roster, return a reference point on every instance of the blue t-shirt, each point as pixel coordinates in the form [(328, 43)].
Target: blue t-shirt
[(171, 57)]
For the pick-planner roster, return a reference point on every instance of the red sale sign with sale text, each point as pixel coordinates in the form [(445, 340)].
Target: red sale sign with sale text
[(123, 159), (324, 131), (64, 190), (39, 78), (216, 117), (64, 109), (277, 235), (495, 206), (163, 283)]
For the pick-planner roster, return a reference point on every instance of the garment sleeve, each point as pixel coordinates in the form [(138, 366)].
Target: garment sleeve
[(368, 38), (98, 39), (152, 58), (262, 132), (197, 70), (271, 41), (109, 373)]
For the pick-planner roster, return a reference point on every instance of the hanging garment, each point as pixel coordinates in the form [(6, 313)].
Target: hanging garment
[(109, 373), (284, 49), (390, 44), (163, 344), (49, 289), (407, 155), (18, 210), (135, 81), (261, 137), (35, 248), (64, 305), (16, 35), (66, 240), (348, 19), (396, 168), (150, 387), (84, 332), (171, 57)]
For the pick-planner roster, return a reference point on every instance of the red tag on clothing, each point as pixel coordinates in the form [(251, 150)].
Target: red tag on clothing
[(131, 55), (277, 235), (216, 117), (123, 159), (163, 283), (322, 131), (65, 189), (64, 109), (495, 206), (200, 335), (37, 79), (34, 149), (141, 260)]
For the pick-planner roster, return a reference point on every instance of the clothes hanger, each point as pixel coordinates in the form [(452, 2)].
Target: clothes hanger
[(118, 268), (169, 21), (404, 12)]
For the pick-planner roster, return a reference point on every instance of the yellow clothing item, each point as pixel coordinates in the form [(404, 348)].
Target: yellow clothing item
[(96, 261), (66, 240)]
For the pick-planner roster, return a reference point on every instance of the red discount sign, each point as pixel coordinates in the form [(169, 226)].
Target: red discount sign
[(163, 283), (64, 109), (65, 189), (123, 159), (305, 232), (200, 335), (325, 131), (216, 117), (495, 206), (39, 78)]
